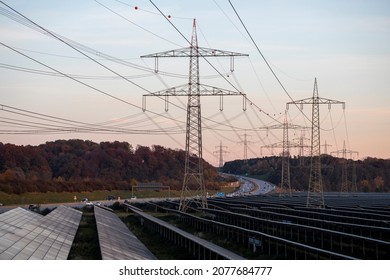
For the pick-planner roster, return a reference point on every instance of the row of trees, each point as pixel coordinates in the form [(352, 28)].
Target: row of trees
[(372, 174), (78, 165)]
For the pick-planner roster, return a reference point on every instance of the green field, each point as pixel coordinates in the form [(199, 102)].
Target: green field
[(63, 197)]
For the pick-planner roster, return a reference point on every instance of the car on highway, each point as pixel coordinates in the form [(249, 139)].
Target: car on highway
[(34, 207)]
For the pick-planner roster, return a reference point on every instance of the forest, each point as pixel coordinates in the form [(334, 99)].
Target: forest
[(367, 175), (78, 165)]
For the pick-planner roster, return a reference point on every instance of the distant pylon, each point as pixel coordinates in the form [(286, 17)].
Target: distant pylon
[(286, 144), (315, 194), (301, 147), (193, 182), (220, 152), (344, 170), (354, 185), (344, 177), (245, 142), (326, 147), (285, 185)]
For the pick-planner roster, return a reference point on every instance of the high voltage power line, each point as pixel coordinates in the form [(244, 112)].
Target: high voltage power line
[(213, 125), (52, 34), (268, 64), (26, 21), (265, 60), (19, 18), (76, 46), (209, 63), (52, 124)]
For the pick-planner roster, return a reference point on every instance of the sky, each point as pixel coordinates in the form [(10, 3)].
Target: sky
[(88, 80)]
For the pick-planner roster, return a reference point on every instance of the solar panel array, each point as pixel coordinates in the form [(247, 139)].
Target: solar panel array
[(116, 241), (26, 235), (174, 232)]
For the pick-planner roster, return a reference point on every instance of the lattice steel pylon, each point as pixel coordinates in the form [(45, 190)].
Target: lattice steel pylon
[(193, 182), (344, 170), (302, 146), (315, 196), (285, 184), (315, 193), (285, 145), (220, 152), (326, 147), (245, 142)]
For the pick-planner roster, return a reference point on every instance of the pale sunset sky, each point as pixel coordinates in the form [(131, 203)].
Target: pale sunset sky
[(50, 89)]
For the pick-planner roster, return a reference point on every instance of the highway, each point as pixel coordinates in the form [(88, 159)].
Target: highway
[(251, 186)]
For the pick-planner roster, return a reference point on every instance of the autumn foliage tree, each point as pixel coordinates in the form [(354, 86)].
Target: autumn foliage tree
[(372, 174), (78, 165)]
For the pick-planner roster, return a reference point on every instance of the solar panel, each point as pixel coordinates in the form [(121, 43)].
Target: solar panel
[(116, 241), (26, 235)]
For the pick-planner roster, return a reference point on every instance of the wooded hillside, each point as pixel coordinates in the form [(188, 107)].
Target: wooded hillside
[(77, 165), (372, 174)]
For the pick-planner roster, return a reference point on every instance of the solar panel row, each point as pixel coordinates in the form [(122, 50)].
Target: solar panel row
[(116, 241), (179, 233), (26, 235)]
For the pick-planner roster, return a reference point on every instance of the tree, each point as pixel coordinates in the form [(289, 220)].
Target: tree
[(77, 165)]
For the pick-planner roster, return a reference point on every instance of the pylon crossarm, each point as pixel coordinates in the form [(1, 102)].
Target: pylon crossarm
[(274, 145), (211, 90), (200, 52), (183, 52), (281, 126), (311, 101), (182, 90), (322, 100), (205, 90), (291, 144), (208, 52)]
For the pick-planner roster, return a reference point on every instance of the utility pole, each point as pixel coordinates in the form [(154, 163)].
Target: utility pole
[(315, 194), (344, 170), (220, 152), (193, 182)]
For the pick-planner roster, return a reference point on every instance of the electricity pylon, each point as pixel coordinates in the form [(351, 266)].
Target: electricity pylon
[(354, 185), (344, 170), (326, 147), (220, 152), (301, 147), (245, 142), (285, 181), (193, 182), (285, 184), (315, 193)]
